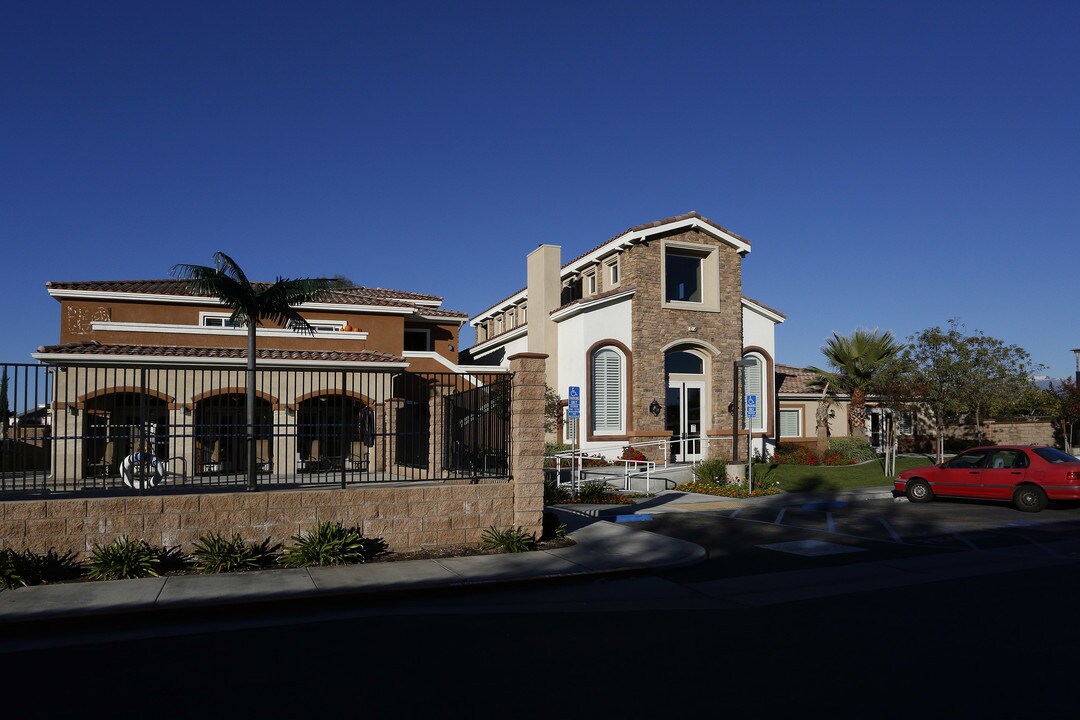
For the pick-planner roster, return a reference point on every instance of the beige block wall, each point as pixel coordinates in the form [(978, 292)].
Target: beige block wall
[(407, 518)]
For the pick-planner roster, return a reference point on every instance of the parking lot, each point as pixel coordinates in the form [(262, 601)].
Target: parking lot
[(786, 533)]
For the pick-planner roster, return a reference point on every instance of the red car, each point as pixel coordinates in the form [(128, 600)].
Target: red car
[(1028, 476)]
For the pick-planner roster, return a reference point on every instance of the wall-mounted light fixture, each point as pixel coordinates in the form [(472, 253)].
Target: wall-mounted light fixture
[(654, 407)]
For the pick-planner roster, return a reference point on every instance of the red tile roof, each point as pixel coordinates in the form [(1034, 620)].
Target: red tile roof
[(797, 380), (93, 349), (357, 295)]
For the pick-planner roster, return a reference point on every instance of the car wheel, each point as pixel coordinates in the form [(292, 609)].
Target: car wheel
[(918, 491), (1029, 498)]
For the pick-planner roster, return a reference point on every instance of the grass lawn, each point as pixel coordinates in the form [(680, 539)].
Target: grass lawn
[(807, 478)]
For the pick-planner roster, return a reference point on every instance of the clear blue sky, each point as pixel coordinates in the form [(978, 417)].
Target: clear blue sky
[(895, 164)]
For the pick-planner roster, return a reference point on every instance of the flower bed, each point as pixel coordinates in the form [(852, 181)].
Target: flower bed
[(731, 489)]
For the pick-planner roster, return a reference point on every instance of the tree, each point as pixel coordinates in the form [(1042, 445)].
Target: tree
[(251, 303), (956, 375), (855, 361), (1068, 411)]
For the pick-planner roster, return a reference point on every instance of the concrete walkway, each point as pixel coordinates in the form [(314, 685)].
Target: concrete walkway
[(601, 548)]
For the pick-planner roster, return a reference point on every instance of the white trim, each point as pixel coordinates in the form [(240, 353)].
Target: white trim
[(444, 319), (81, 359), (695, 343), (467, 370), (763, 311), (108, 325), (500, 339), (588, 304)]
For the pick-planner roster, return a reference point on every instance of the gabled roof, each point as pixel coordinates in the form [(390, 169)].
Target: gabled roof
[(628, 237), (92, 349)]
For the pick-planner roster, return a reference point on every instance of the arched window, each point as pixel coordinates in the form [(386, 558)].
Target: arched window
[(607, 391), (754, 384), (680, 362)]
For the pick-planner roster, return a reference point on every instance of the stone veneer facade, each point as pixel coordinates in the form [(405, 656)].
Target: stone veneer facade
[(656, 327), (407, 517)]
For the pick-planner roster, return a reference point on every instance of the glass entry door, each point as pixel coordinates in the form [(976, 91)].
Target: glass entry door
[(684, 419)]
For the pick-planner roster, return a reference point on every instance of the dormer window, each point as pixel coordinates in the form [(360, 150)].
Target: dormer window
[(511, 320), (590, 283), (612, 267)]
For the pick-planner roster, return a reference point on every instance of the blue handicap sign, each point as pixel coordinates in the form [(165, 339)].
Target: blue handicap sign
[(573, 405), (751, 406)]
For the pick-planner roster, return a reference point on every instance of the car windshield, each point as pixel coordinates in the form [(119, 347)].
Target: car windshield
[(1054, 455)]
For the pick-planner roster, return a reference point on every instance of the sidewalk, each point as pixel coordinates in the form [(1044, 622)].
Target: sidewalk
[(601, 547)]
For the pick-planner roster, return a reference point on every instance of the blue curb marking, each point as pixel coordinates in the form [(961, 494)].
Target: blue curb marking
[(825, 505), (632, 518)]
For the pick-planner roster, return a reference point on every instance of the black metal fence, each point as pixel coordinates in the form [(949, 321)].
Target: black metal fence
[(86, 429)]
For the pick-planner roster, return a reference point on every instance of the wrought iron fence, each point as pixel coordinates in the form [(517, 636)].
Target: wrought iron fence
[(89, 429)]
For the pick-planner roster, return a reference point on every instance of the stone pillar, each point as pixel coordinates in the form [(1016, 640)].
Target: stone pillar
[(436, 427), (181, 444), (527, 439)]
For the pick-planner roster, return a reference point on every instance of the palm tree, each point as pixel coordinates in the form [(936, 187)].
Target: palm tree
[(856, 360), (251, 303)]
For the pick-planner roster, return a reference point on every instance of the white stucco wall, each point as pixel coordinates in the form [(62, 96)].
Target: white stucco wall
[(576, 335), (759, 331)]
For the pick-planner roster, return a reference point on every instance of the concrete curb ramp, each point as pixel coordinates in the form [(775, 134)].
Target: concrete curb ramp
[(601, 548)]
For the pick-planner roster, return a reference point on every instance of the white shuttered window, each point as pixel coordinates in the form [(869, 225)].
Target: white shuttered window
[(607, 391), (789, 423), (752, 375)]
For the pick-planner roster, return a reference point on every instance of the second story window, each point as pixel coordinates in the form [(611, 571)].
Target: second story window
[(511, 320), (417, 339), (682, 277), (590, 284), (218, 321), (613, 272)]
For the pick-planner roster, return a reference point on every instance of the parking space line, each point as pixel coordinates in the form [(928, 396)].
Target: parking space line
[(830, 524), (889, 529), (952, 531), (780, 517), (735, 514)]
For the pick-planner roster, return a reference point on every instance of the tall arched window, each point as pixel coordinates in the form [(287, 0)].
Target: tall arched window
[(754, 384), (607, 391)]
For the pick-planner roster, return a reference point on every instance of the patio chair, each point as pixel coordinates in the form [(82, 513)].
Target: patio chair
[(357, 458), (215, 465), (312, 462), (106, 466), (263, 462)]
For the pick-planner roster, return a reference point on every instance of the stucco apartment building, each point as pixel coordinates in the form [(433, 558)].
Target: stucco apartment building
[(148, 363), (649, 325)]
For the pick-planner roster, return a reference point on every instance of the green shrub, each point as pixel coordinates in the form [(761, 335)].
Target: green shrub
[(127, 559), (331, 543), (511, 540), (853, 449), (593, 490), (216, 553), (711, 472), (553, 492)]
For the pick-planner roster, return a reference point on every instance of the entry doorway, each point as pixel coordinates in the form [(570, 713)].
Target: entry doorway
[(684, 413)]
